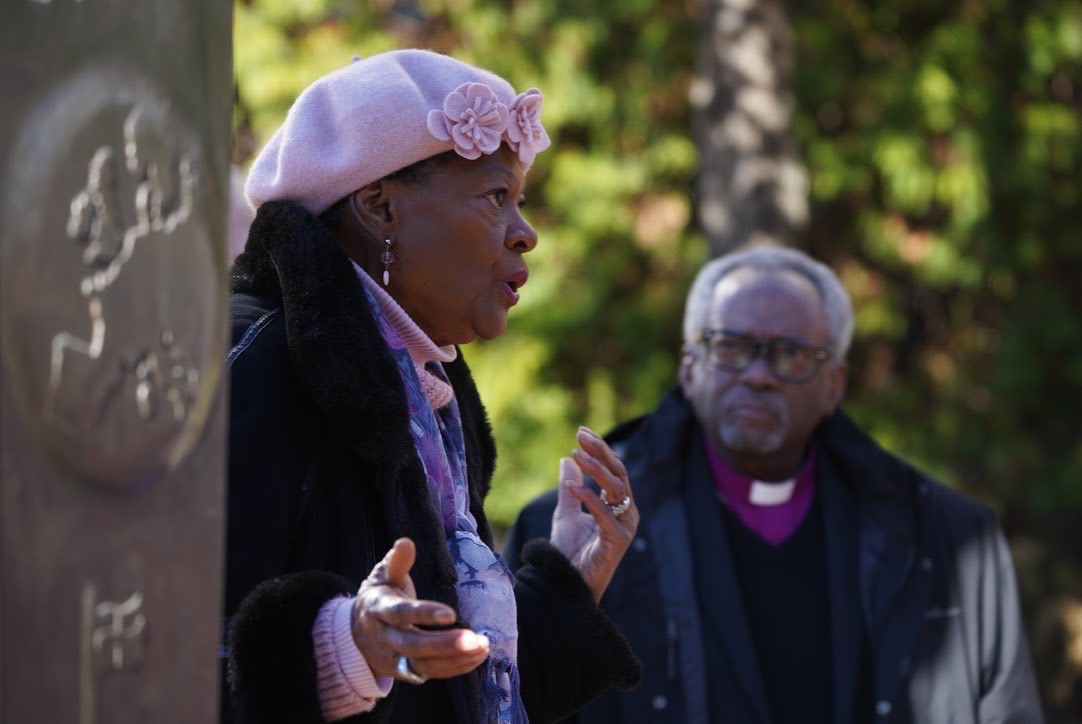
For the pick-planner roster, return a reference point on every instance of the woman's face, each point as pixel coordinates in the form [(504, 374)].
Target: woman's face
[(458, 245)]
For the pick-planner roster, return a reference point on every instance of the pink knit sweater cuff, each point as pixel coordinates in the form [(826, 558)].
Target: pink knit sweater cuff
[(344, 680)]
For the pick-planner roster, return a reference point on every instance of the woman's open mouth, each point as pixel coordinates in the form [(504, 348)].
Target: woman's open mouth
[(512, 284)]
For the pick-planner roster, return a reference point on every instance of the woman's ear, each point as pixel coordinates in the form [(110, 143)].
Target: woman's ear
[(367, 222), (372, 209)]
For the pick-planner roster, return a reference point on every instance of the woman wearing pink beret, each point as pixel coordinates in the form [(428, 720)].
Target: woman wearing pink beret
[(361, 580)]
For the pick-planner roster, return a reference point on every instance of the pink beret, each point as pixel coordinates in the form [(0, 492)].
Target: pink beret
[(388, 111)]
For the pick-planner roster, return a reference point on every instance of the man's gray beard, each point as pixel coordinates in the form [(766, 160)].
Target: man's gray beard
[(740, 439)]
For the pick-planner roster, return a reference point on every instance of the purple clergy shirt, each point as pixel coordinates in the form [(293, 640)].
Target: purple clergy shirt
[(772, 523)]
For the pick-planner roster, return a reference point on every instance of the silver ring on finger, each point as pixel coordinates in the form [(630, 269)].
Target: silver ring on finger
[(404, 671), (619, 508)]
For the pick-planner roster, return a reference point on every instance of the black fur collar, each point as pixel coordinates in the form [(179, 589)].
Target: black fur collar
[(336, 349), (339, 353)]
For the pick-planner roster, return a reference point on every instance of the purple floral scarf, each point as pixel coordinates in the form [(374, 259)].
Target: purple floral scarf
[(486, 594)]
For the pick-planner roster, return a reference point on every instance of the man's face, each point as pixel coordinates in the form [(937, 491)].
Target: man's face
[(757, 422)]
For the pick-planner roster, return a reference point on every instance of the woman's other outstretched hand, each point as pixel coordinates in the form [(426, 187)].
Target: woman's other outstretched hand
[(594, 541), (385, 620)]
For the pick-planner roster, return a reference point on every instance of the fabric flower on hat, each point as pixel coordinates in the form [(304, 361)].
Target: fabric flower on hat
[(473, 117), (524, 129)]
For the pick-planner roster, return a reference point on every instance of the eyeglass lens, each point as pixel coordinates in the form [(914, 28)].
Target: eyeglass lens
[(788, 360)]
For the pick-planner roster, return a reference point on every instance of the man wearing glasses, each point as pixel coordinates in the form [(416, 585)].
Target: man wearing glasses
[(788, 570)]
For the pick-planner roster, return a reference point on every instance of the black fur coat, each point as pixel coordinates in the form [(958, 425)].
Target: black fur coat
[(323, 477)]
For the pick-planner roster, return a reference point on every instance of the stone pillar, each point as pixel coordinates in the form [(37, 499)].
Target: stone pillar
[(113, 153)]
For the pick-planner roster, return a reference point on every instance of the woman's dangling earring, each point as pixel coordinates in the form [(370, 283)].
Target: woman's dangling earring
[(386, 257)]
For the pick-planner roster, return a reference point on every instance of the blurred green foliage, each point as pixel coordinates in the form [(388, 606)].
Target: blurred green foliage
[(946, 161), (943, 146)]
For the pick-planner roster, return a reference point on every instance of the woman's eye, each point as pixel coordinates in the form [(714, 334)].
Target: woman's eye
[(497, 197)]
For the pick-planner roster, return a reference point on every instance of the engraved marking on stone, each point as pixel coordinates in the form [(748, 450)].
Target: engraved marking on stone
[(96, 222), (178, 380), (113, 641), (118, 640)]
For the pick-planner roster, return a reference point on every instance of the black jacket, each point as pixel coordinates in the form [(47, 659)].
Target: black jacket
[(323, 477), (922, 598)]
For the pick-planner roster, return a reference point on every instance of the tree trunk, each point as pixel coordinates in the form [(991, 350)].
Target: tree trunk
[(751, 186)]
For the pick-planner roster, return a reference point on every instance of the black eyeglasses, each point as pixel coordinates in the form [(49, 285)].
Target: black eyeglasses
[(787, 359)]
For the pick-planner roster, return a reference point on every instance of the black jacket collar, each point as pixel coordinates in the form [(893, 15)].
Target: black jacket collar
[(887, 494), (292, 260), (884, 485), (333, 341)]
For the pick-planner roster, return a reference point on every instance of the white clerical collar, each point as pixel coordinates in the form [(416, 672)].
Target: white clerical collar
[(768, 494)]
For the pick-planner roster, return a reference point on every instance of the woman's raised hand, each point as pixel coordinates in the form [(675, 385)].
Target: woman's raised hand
[(596, 541), (385, 620)]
